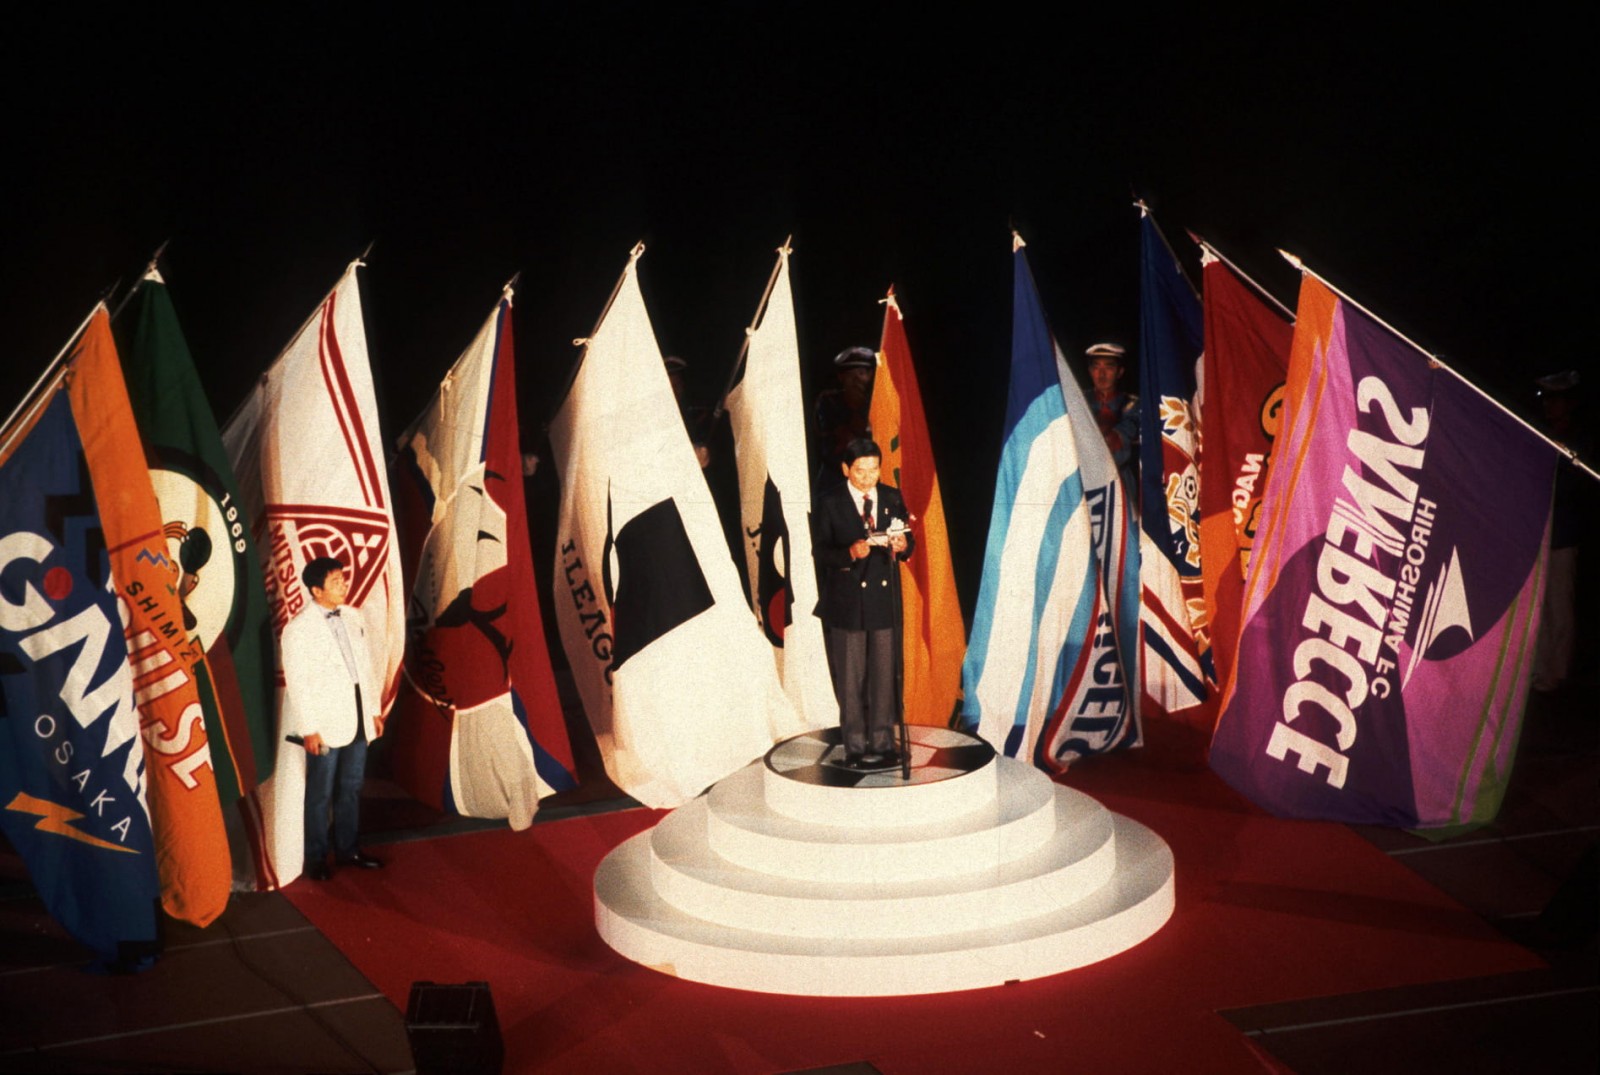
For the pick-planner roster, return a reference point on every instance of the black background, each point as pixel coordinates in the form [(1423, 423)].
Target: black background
[(1430, 169)]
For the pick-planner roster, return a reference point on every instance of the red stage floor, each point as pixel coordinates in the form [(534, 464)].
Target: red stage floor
[(1268, 911)]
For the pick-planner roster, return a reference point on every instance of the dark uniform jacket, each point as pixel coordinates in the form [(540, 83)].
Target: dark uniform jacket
[(856, 595)]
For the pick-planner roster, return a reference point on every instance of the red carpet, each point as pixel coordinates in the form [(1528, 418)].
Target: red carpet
[(1267, 911)]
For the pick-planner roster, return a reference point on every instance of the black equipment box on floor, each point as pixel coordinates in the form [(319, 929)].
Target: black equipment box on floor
[(453, 1029)]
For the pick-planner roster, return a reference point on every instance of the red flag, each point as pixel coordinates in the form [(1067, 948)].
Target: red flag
[(1246, 358)]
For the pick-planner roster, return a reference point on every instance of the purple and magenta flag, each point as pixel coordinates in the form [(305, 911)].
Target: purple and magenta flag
[(1392, 601)]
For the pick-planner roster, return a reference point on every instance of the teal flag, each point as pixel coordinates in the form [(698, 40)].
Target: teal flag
[(216, 571)]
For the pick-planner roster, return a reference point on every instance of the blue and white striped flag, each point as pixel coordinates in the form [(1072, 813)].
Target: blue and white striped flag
[(1058, 604)]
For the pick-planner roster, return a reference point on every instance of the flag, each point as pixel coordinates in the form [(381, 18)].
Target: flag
[(186, 816), (1174, 653), (1114, 541), (767, 413), (72, 766), (934, 637), (222, 600), (676, 678), (478, 728), (1043, 677), (1393, 597), (1246, 357), (308, 455)]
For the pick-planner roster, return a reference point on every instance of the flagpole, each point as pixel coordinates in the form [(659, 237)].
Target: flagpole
[(1144, 211), (633, 257), (508, 292), (150, 269), (17, 421), (109, 292), (1207, 248), (316, 311), (889, 302), (761, 308), (1435, 360)]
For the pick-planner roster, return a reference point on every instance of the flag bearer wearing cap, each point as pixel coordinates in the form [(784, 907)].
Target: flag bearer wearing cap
[(842, 412), (1116, 411)]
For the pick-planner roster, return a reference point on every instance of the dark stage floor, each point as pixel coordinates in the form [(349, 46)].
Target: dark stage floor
[(262, 990)]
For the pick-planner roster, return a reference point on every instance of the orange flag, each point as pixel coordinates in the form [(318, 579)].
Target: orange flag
[(935, 636), (181, 789)]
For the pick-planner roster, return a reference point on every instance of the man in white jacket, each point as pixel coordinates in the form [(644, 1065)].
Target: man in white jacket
[(331, 700)]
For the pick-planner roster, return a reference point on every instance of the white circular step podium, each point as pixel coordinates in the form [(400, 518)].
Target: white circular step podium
[(798, 875)]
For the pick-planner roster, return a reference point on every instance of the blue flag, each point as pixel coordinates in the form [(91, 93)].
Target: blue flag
[(71, 762), (1176, 655), (1043, 676)]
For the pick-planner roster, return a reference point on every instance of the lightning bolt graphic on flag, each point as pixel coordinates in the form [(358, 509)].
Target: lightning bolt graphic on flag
[(55, 818)]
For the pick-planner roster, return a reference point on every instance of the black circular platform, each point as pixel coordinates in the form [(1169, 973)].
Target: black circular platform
[(936, 754)]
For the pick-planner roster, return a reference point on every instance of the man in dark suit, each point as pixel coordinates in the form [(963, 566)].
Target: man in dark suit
[(861, 532)]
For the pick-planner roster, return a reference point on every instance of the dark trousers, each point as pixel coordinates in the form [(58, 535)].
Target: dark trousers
[(862, 663), (336, 775)]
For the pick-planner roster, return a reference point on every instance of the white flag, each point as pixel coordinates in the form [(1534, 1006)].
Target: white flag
[(769, 441), (678, 683), (308, 454), (1114, 538)]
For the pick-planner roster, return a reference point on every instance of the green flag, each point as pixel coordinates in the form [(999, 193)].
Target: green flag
[(215, 570)]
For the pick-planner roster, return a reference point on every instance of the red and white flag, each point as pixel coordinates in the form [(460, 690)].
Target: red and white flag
[(478, 727), (308, 454)]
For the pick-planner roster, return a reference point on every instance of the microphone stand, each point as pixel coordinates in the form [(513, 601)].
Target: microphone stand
[(900, 670)]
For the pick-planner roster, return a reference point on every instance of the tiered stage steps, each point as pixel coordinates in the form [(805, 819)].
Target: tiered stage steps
[(797, 875)]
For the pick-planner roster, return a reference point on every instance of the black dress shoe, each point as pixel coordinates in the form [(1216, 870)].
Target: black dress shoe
[(317, 871), (362, 861)]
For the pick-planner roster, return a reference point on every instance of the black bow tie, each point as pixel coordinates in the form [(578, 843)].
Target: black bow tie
[(332, 614)]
